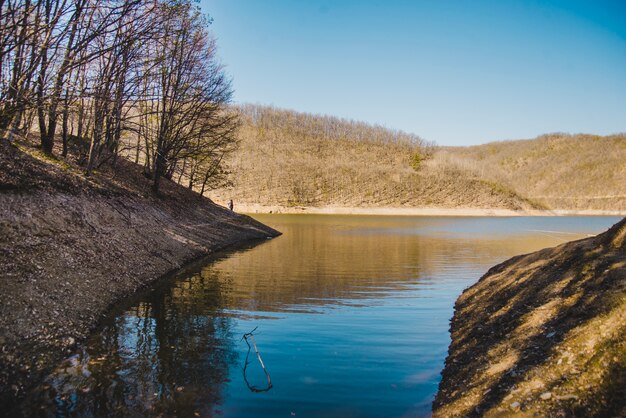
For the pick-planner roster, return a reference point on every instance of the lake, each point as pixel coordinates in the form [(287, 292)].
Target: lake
[(350, 317)]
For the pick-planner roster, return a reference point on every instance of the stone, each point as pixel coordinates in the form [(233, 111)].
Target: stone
[(567, 397), (545, 396)]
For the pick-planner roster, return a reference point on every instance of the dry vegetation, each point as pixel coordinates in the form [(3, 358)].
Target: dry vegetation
[(560, 171), (542, 334), (294, 159)]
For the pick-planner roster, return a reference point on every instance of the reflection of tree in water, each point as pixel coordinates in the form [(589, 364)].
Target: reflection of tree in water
[(171, 351), (168, 354)]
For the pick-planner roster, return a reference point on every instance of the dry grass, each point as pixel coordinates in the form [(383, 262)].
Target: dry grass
[(558, 170), (294, 159)]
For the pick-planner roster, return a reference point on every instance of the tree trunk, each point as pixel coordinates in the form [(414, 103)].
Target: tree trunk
[(65, 133), (17, 119), (159, 168), (48, 142), (46, 145), (138, 145)]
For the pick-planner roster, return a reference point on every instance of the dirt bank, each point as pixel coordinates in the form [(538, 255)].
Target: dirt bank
[(542, 334), (71, 246), (417, 211)]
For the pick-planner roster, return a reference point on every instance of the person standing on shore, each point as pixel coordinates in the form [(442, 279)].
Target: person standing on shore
[(230, 204)]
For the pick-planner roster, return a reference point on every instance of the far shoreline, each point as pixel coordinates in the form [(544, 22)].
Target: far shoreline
[(253, 209)]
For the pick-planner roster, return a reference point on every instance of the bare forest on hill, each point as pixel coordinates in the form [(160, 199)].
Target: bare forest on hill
[(96, 80), (559, 170), (291, 159)]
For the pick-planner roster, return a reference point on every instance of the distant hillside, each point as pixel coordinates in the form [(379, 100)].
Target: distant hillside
[(295, 159), (558, 170)]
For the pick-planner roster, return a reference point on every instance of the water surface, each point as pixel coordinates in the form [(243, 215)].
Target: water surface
[(351, 316)]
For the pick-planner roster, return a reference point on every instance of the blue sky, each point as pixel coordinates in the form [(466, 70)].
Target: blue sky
[(455, 72)]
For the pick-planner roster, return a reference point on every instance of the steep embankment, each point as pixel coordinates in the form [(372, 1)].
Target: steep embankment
[(542, 334), (71, 246), (294, 159), (561, 171)]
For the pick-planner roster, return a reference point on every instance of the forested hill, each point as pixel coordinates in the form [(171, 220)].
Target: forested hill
[(557, 170), (286, 158)]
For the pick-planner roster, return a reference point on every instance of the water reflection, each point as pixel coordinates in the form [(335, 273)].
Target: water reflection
[(352, 316), (169, 354)]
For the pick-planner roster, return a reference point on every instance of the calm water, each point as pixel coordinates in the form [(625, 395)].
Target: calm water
[(351, 316)]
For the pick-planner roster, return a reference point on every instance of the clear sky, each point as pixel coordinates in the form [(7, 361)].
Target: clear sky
[(455, 72)]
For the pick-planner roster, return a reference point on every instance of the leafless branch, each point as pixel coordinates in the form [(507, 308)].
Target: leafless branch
[(246, 337)]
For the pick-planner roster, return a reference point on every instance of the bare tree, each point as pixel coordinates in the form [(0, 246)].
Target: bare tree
[(186, 97), (111, 69)]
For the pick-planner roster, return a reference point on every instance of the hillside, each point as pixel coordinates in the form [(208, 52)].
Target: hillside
[(542, 334), (294, 159), (71, 245), (558, 170)]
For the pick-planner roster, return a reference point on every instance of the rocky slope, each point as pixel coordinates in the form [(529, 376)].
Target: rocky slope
[(542, 334), (71, 246)]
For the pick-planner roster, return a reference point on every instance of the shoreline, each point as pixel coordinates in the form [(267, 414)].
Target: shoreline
[(106, 255), (72, 247), (252, 209), (66, 260), (542, 334)]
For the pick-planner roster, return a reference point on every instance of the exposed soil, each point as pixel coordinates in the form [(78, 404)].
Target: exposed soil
[(417, 211), (542, 334), (71, 246)]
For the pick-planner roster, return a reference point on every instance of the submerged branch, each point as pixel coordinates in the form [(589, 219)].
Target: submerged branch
[(250, 335)]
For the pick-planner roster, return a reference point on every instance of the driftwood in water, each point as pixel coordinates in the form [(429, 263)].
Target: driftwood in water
[(246, 337)]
